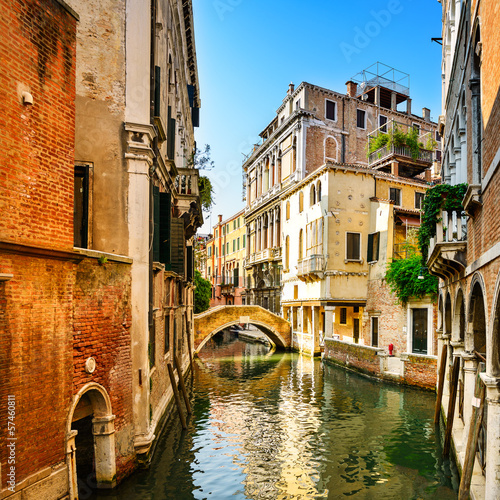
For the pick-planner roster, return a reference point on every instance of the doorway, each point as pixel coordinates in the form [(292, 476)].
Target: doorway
[(419, 331)]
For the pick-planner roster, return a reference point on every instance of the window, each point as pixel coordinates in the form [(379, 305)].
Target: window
[(419, 199), (239, 221), (343, 315), (382, 123), (353, 250), (318, 191), (167, 333), (416, 127), (234, 245), (216, 233), (297, 104), (330, 110), (234, 224), (373, 247), (81, 207), (223, 249), (301, 201), (361, 118), (209, 253), (313, 195), (227, 248), (395, 196), (438, 155), (438, 136), (244, 240), (301, 244), (238, 243), (287, 210), (375, 331)]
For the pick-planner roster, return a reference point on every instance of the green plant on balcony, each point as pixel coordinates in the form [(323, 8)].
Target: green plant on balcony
[(407, 278), (206, 192), (398, 139), (442, 197)]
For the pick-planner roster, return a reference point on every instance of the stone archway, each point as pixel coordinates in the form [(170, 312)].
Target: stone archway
[(458, 328), (477, 318), (91, 404)]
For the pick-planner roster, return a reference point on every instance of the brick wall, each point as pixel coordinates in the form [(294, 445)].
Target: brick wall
[(37, 142), (420, 371), (102, 319), (35, 358), (37, 43), (359, 358)]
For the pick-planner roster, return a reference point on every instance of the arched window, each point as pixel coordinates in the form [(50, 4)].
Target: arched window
[(287, 210), (301, 201), (313, 196), (318, 191), (301, 245), (331, 149)]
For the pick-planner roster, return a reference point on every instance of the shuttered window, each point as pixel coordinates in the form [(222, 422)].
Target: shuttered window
[(330, 110), (177, 246), (343, 315), (170, 135), (353, 251), (164, 243), (361, 118), (156, 224), (373, 247)]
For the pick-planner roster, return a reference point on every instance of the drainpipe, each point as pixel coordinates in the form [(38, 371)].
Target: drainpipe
[(343, 129)]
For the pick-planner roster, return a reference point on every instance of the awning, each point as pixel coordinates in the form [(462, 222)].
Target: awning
[(409, 221)]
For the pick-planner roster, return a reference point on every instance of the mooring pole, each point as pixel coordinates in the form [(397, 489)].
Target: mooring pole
[(181, 383), (442, 371), (176, 395)]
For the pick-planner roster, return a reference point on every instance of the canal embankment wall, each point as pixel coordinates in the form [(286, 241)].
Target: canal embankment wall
[(408, 369)]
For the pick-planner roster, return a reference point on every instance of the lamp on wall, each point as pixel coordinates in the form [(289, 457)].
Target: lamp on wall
[(423, 269)]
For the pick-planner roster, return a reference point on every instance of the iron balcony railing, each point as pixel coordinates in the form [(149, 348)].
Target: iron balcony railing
[(424, 155)]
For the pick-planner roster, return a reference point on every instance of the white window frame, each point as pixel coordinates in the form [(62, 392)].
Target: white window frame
[(360, 247), (430, 332), (335, 110)]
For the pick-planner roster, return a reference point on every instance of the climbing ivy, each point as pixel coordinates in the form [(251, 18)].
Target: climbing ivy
[(439, 198), (202, 293), (403, 278)]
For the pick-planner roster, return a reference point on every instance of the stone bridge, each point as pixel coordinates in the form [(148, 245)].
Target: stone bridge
[(208, 323)]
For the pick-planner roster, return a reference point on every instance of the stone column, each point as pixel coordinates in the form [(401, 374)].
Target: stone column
[(449, 359), (103, 429), (71, 464), (328, 326), (314, 333), (493, 435)]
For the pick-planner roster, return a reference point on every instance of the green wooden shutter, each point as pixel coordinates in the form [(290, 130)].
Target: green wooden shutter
[(170, 135), (165, 210), (177, 246), (156, 224), (369, 256)]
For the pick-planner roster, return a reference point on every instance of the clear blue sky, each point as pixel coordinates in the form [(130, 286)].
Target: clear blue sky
[(250, 50)]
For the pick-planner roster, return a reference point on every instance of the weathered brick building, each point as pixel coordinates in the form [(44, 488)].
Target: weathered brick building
[(313, 126), (465, 252), (65, 320), (99, 199)]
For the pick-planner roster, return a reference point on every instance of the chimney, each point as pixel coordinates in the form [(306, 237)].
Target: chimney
[(291, 88), (220, 219), (426, 114), (352, 88)]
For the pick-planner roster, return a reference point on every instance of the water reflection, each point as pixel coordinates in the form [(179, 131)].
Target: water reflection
[(284, 426)]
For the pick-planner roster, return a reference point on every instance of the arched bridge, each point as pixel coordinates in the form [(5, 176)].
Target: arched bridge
[(208, 323)]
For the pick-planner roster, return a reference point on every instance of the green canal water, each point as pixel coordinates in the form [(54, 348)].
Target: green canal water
[(271, 425)]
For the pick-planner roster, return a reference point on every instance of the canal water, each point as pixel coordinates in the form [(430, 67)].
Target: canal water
[(271, 425)]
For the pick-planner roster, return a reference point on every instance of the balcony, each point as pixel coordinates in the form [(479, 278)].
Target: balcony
[(227, 289), (311, 268), (448, 249), (266, 255), (394, 154)]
